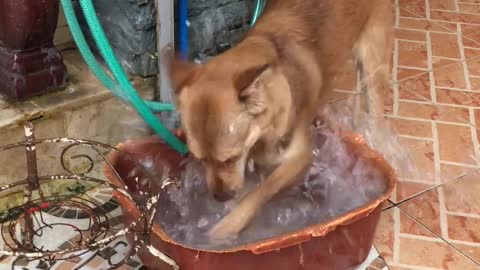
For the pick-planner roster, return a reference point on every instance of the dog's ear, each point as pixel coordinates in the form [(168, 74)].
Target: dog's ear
[(250, 89), (180, 72)]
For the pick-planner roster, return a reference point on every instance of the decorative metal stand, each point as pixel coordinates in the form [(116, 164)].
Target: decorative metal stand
[(83, 163)]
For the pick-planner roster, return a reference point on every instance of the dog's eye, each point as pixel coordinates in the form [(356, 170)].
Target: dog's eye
[(230, 160)]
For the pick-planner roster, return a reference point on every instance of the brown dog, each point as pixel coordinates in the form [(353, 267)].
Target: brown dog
[(259, 99)]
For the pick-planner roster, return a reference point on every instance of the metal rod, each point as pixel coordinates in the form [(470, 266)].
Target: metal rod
[(31, 152), (165, 45), (32, 180)]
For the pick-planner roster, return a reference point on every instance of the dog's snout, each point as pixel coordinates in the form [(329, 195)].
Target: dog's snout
[(222, 196)]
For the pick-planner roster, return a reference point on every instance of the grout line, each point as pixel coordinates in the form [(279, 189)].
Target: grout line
[(457, 7), (438, 104), (452, 22), (396, 94), (417, 181), (461, 214), (414, 137), (476, 143), (436, 153), (396, 235), (466, 73), (457, 106), (414, 267), (410, 41), (438, 179), (450, 32), (414, 68), (429, 121), (471, 48), (409, 118), (422, 102), (465, 243), (397, 13), (393, 197), (420, 237), (431, 231), (420, 18), (442, 209), (457, 89), (433, 93), (426, 102), (446, 58), (449, 11), (427, 9), (459, 164)]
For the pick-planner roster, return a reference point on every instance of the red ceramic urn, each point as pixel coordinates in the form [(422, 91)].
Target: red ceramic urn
[(29, 63)]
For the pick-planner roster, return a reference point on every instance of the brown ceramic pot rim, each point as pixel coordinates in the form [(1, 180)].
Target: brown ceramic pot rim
[(319, 230)]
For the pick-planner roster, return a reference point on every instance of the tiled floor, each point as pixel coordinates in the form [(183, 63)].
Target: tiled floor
[(433, 222), (435, 107)]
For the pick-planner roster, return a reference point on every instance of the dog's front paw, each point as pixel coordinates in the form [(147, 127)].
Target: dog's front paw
[(225, 231)]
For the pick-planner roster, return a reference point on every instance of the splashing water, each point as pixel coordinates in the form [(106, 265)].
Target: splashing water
[(380, 136), (336, 183)]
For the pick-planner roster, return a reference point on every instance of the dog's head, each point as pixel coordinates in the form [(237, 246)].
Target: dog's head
[(220, 109)]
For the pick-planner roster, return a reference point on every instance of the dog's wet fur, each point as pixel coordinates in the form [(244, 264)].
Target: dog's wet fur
[(258, 100)]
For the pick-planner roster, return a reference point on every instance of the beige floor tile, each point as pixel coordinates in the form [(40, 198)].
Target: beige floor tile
[(452, 212), (407, 245)]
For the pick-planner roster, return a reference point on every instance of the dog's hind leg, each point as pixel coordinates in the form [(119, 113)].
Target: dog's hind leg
[(373, 50), (359, 97)]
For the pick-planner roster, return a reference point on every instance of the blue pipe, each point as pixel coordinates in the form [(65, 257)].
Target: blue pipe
[(183, 28)]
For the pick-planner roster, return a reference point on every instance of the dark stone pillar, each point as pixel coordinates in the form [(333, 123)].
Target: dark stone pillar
[(29, 63)]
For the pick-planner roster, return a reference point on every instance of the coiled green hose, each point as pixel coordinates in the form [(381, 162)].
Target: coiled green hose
[(93, 64), (123, 88)]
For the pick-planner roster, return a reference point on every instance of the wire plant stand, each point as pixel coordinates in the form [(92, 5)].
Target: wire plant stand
[(29, 224)]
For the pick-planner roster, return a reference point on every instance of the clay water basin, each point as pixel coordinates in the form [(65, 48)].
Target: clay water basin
[(326, 237)]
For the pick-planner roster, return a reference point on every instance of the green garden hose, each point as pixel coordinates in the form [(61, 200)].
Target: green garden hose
[(259, 7), (123, 88), (94, 65)]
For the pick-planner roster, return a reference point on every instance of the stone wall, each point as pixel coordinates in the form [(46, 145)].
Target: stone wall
[(130, 28), (215, 25)]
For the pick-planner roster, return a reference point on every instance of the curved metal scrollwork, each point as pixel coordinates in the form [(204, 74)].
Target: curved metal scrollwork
[(39, 212), (66, 164)]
